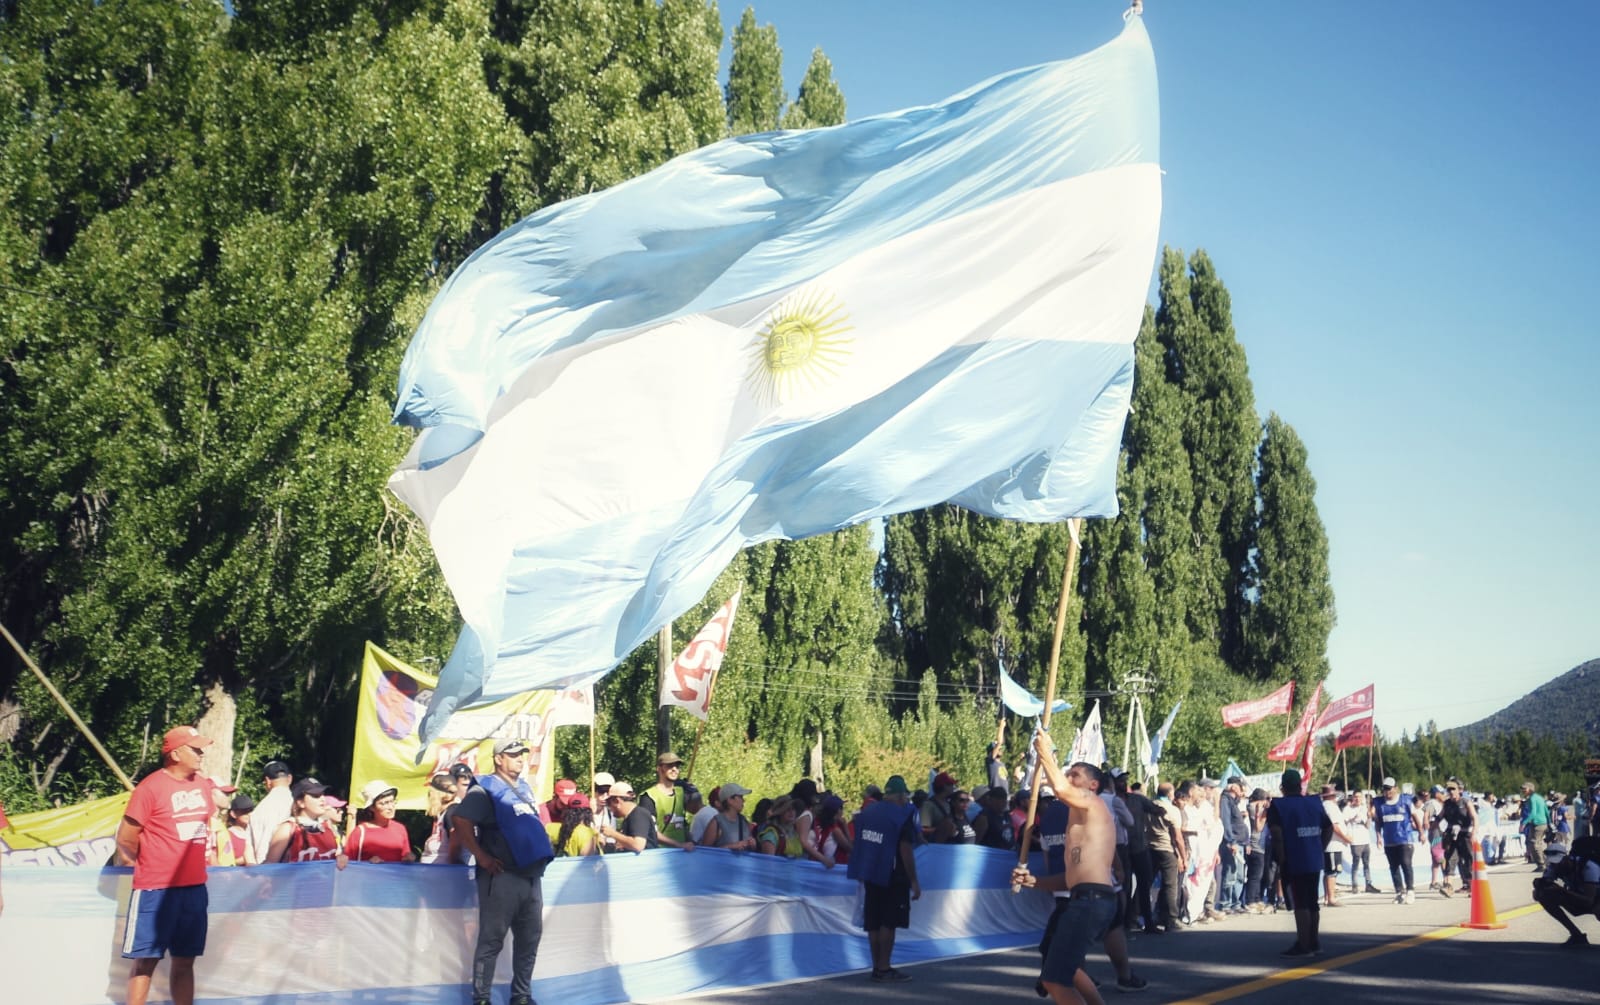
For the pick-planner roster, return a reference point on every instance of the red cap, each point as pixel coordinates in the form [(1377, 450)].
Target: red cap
[(183, 736), (578, 801), (565, 788), (944, 780)]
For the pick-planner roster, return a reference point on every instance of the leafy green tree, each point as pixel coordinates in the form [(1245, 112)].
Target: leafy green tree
[(755, 95), (820, 102), (1286, 635), (1204, 361)]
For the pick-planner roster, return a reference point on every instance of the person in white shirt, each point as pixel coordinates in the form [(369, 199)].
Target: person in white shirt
[(271, 810), (1358, 824), (1333, 852)]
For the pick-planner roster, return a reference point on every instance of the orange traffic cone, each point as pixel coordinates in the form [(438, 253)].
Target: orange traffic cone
[(1483, 916)]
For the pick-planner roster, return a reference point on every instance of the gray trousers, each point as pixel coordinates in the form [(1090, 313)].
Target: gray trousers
[(507, 903)]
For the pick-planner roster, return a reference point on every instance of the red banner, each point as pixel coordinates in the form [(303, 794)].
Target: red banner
[(1356, 733), (1291, 745), (1356, 703), (1245, 712)]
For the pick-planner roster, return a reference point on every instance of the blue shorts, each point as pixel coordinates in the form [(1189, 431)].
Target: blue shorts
[(1084, 922), (166, 922)]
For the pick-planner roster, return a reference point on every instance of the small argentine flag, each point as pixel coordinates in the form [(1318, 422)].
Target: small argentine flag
[(777, 336)]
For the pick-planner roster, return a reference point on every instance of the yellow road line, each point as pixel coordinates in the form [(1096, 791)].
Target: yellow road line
[(1313, 969)]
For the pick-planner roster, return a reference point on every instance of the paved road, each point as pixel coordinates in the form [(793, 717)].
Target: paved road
[(1376, 952)]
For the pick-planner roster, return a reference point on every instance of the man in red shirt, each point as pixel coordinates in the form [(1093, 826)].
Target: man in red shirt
[(163, 835)]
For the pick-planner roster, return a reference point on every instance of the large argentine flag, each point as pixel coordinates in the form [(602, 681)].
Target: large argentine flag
[(777, 336)]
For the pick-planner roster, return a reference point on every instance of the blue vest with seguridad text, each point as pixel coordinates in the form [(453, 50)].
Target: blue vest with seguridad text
[(1302, 818), (1395, 819), (877, 844)]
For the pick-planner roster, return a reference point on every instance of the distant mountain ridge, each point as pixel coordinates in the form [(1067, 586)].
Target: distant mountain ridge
[(1569, 704)]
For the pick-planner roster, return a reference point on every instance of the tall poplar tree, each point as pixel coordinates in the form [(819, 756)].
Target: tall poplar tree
[(1207, 364), (755, 95), (1286, 634), (820, 101)]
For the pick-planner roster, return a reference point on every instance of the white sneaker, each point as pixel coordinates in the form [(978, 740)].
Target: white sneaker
[(1411, 897), (1400, 898)]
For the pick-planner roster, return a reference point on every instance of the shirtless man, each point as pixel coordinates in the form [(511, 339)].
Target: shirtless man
[(1091, 844)]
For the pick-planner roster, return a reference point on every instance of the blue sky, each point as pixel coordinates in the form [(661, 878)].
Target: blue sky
[(1402, 201)]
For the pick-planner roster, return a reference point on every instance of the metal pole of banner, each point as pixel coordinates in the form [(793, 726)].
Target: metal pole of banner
[(83, 728), (1050, 684), (1371, 742), (663, 712)]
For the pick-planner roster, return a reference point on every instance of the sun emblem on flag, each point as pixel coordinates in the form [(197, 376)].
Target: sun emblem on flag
[(802, 345)]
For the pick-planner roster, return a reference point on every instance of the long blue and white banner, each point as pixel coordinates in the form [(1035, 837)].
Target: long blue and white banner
[(620, 928)]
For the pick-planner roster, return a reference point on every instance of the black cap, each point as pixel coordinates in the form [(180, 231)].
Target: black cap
[(459, 770), (275, 769), (307, 787), (242, 804)]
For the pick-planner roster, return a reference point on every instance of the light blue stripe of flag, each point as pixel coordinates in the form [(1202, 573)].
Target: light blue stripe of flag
[(755, 215)]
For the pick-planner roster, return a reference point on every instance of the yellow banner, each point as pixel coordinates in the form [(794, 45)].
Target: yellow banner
[(84, 834), (394, 697)]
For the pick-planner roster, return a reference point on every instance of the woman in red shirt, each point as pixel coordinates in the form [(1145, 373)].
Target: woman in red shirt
[(376, 836)]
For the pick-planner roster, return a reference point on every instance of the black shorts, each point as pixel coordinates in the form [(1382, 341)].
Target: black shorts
[(1332, 862), (886, 906), (1302, 888)]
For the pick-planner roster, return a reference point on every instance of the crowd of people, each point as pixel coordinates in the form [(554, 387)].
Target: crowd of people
[(1196, 853)]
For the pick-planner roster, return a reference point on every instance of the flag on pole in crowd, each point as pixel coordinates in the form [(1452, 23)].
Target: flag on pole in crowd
[(1242, 713), (1232, 771), (776, 336), (573, 707), (1160, 742), (1090, 744), (1290, 746), (1356, 703), (1356, 733), (1021, 701), (693, 675), (1142, 748)]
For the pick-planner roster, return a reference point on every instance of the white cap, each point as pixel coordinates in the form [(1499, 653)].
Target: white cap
[(604, 778), (375, 790), (1388, 782)]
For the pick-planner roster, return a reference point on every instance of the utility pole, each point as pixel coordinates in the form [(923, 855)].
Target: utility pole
[(1429, 769), (663, 712), (1136, 685)]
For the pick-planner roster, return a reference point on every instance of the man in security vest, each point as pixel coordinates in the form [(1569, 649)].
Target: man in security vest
[(665, 801), (1300, 830), (883, 863), (498, 821), (1398, 825)]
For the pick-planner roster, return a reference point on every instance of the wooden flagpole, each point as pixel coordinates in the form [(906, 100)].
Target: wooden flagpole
[(1050, 684), (700, 730), (599, 842), (83, 728)]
